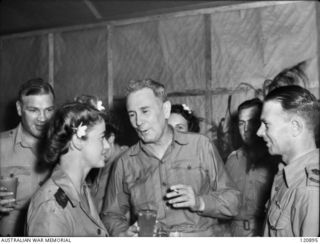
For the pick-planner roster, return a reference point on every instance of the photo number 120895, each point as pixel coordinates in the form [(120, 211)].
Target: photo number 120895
[(309, 239)]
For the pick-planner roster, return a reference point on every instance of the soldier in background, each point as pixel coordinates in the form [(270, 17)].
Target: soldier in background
[(252, 169), (19, 155)]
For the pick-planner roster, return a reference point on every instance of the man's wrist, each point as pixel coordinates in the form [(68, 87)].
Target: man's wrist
[(202, 204), (199, 204)]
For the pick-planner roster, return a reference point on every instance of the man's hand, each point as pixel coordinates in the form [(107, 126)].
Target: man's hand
[(132, 231), (182, 196), (4, 202)]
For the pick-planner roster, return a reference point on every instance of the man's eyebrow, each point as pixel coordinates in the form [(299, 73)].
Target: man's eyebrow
[(263, 120), (32, 107)]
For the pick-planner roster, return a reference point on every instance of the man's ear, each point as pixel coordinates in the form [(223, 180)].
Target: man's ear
[(167, 109), (19, 107), (76, 143), (297, 125)]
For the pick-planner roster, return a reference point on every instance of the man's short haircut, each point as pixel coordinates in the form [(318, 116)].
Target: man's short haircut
[(300, 101), (255, 102), (36, 86), (157, 88)]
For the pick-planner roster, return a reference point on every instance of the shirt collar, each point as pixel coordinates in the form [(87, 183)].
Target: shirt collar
[(178, 137), (19, 138), (18, 135), (292, 172), (62, 180)]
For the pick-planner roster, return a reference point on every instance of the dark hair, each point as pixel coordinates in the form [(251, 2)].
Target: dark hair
[(192, 120), (298, 100), (112, 129), (289, 77), (157, 88), (36, 86), (255, 102), (64, 124), (88, 99)]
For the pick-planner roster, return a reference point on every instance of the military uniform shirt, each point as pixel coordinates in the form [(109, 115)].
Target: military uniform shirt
[(57, 209), (141, 181), (19, 159), (254, 184), (294, 203)]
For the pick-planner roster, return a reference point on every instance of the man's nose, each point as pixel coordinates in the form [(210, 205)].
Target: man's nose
[(42, 116), (246, 126), (260, 131), (106, 144), (139, 120)]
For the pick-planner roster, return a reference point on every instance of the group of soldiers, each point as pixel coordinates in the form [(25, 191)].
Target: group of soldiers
[(267, 187)]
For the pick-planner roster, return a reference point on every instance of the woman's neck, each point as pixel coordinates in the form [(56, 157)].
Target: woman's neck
[(73, 167)]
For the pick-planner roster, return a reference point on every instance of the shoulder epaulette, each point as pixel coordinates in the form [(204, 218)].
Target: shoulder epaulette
[(313, 175), (61, 198)]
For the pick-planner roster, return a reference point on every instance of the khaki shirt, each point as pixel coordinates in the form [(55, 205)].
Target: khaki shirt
[(255, 185), (141, 180), (294, 204), (99, 186), (19, 159), (57, 209)]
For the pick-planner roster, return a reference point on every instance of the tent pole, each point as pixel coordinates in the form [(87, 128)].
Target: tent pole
[(51, 58)]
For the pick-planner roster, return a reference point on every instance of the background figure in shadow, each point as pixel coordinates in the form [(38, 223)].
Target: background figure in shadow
[(252, 169)]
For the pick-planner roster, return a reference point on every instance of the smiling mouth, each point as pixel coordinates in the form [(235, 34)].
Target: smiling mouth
[(39, 127), (143, 132)]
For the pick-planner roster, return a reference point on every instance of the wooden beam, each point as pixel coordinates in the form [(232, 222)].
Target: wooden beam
[(51, 58), (92, 9), (200, 92), (208, 68), (317, 6), (110, 65), (151, 18)]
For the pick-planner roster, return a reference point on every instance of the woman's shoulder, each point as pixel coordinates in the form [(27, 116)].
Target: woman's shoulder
[(46, 192)]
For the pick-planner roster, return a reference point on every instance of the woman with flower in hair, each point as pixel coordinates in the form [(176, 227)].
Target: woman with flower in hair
[(183, 119), (98, 178), (75, 143)]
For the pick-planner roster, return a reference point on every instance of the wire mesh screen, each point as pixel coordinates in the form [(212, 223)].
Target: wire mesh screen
[(252, 45), (171, 51), (80, 64), (21, 59)]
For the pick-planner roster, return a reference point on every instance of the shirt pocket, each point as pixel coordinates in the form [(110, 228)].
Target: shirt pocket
[(189, 172), (142, 190), (278, 219)]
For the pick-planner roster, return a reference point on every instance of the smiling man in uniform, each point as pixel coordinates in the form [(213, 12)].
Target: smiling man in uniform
[(290, 123), (18, 152)]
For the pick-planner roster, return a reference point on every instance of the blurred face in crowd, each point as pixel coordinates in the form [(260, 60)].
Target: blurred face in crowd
[(248, 123), (148, 114), (110, 148), (275, 128), (35, 111), (178, 122), (96, 146)]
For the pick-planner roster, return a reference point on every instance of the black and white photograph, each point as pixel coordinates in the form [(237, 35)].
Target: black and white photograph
[(159, 119)]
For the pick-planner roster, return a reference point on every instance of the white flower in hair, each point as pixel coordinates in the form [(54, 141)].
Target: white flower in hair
[(185, 107), (81, 130), (100, 107)]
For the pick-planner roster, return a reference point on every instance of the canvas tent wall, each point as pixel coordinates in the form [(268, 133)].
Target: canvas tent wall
[(201, 56)]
